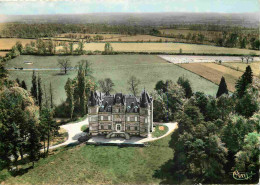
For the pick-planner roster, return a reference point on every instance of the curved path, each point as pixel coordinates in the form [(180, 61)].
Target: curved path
[(74, 132), (134, 140)]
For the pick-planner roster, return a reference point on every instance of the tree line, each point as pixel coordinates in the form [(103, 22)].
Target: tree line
[(215, 135)]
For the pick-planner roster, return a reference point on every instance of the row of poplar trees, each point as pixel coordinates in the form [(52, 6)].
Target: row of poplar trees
[(78, 90)]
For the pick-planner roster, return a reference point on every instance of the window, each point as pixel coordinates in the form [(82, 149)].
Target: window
[(136, 128), (89, 111), (101, 117), (118, 127), (128, 118), (109, 118), (102, 127), (145, 120), (128, 127), (109, 127), (136, 118), (132, 119)]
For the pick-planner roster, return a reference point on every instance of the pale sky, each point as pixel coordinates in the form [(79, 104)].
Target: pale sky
[(19, 7)]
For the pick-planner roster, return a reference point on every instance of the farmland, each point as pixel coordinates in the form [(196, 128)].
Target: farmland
[(214, 72), (165, 47), (148, 68), (8, 43), (242, 66)]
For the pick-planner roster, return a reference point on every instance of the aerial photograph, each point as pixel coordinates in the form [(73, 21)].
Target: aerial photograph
[(129, 92)]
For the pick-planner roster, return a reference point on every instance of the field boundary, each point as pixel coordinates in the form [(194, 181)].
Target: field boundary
[(196, 74)]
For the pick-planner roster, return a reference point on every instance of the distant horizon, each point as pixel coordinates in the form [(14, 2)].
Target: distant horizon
[(132, 13), (127, 6)]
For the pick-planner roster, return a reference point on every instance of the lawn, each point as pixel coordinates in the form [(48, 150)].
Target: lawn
[(160, 130), (88, 164), (148, 68), (214, 72), (255, 66)]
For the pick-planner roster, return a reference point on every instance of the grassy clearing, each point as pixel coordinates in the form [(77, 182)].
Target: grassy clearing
[(148, 68), (242, 66), (214, 72), (160, 130), (87, 164)]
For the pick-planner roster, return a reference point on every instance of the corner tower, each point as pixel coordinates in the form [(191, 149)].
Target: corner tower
[(93, 108)]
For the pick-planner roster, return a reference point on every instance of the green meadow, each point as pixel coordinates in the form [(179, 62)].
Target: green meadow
[(148, 68)]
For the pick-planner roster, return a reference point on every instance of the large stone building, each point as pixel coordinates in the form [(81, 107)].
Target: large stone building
[(120, 115)]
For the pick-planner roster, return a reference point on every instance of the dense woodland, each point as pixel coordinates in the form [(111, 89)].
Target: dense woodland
[(226, 36)]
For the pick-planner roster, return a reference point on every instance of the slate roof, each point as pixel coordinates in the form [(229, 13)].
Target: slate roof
[(131, 102)]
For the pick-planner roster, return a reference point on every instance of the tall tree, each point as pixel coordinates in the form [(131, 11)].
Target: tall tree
[(222, 88), (70, 96), (40, 93), (34, 86), (133, 85), (51, 96), (82, 89), (34, 144), (23, 85), (71, 47), (244, 81)]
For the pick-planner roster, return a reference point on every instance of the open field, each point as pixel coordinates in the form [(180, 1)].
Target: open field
[(10, 42), (214, 72), (179, 59), (88, 164), (242, 66), (148, 68), (166, 47)]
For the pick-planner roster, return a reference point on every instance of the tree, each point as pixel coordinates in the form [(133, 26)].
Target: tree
[(23, 85), (247, 105), (19, 46), (82, 89), (133, 85), (34, 144), (71, 47), (70, 96), (40, 93), (18, 119), (18, 81), (160, 86), (185, 84), (34, 86), (51, 96), (106, 85), (64, 64), (243, 43), (108, 48), (222, 89), (244, 81), (80, 47), (247, 159), (48, 125)]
